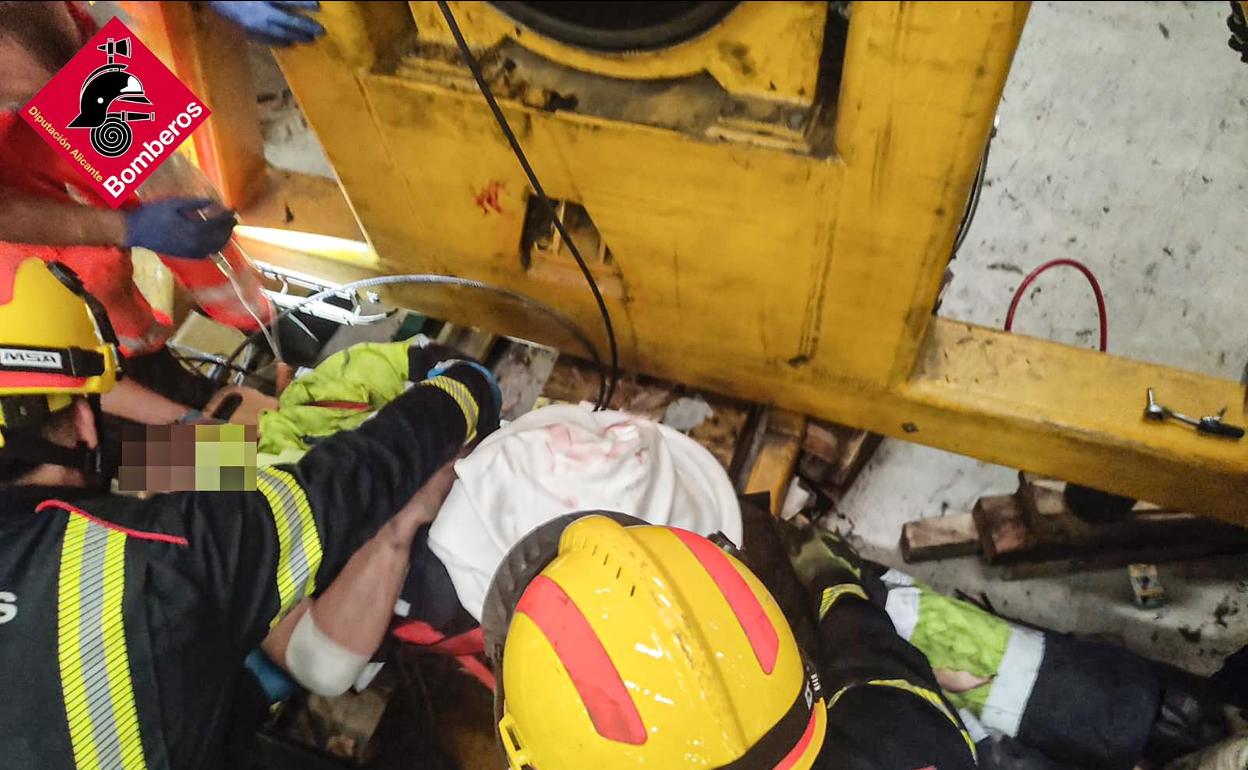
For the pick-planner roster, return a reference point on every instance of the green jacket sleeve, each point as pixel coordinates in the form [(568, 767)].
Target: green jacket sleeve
[(340, 394)]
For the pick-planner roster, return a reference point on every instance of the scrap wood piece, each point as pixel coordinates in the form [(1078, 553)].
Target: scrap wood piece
[(941, 537), (772, 468), (1001, 524), (522, 372), (575, 381), (474, 343), (1116, 558), (1045, 507), (1007, 538), (834, 455)]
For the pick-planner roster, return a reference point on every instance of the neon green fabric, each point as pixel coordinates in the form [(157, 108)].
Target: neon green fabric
[(959, 636), (371, 373)]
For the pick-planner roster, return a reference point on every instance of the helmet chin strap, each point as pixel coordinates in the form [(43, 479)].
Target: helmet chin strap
[(99, 465), (36, 449)]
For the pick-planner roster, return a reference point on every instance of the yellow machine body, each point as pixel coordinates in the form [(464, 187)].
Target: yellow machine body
[(762, 222)]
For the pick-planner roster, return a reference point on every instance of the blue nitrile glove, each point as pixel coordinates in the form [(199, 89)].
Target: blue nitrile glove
[(276, 683), (487, 421), (276, 23), (176, 227)]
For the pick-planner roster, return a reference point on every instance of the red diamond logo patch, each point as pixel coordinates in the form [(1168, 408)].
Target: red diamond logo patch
[(115, 111)]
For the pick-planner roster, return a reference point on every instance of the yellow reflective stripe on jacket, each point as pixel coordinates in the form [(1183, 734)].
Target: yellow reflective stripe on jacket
[(833, 593), (298, 542), (463, 397), (91, 649), (927, 695)]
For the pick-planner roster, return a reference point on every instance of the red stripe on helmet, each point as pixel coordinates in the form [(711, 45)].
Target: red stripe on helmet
[(745, 605), (803, 744), (41, 380), (595, 677)]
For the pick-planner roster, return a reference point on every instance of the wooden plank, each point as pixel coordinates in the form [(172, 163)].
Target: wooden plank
[(773, 466), (1006, 538), (834, 455), (943, 537), (1043, 498), (824, 440), (1002, 526), (473, 343), (1118, 558), (522, 371)]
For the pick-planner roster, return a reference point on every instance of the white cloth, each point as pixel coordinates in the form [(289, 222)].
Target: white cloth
[(563, 459)]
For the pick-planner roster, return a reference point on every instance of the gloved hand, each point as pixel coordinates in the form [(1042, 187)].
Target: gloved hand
[(424, 355), (276, 23), (822, 559), (815, 552), (483, 385), (177, 228)]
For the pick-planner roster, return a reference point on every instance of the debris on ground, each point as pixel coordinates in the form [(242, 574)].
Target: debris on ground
[(1146, 585), (1224, 610)]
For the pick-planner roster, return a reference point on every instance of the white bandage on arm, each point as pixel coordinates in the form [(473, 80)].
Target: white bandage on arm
[(319, 663)]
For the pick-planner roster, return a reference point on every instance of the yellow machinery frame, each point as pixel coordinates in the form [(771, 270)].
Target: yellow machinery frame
[(749, 267)]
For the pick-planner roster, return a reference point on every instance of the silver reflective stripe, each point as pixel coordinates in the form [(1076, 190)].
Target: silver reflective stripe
[(973, 726), (902, 606), (299, 545), (156, 334), (217, 295), (1016, 676), (298, 556), (226, 298), (91, 649)]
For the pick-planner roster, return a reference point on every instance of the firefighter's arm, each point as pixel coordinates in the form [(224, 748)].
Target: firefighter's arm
[(180, 227), (138, 403), (134, 402), (870, 675), (256, 555), (31, 219), (327, 646)]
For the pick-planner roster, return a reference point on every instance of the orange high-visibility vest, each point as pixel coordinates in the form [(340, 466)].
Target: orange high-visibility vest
[(29, 166)]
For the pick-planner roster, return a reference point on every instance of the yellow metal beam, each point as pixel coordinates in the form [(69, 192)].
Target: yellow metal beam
[(1060, 411), (918, 97), (775, 274)]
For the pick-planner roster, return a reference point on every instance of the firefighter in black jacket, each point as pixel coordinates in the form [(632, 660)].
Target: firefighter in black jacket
[(124, 622)]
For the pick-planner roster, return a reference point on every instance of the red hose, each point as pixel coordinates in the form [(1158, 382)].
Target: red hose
[(1096, 289)]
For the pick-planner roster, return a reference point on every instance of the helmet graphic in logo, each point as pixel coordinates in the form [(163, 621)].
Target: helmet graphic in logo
[(111, 84)]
